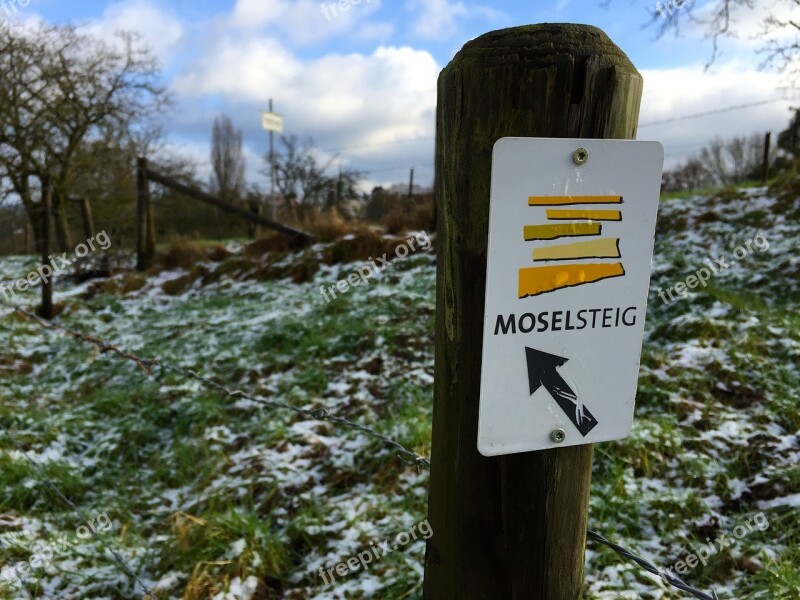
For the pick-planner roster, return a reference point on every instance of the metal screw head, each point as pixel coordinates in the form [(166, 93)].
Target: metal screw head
[(558, 435), (580, 156)]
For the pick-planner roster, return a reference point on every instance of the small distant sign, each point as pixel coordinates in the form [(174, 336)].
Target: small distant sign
[(272, 122), (571, 228)]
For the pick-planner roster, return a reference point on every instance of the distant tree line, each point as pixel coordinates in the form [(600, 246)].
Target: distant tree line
[(735, 160)]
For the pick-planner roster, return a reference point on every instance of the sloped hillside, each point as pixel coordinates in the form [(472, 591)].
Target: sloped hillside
[(208, 495)]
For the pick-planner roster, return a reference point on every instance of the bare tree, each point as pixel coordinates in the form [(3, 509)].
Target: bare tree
[(782, 47), (692, 175), (737, 153), (719, 18), (713, 157), (227, 160), (61, 90), (303, 181)]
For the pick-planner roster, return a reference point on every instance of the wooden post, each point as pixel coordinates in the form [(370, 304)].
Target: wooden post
[(765, 167), (28, 238), (145, 236), (46, 309), (150, 243), (510, 527)]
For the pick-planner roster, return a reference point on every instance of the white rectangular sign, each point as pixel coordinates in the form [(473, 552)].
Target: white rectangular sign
[(571, 230), (272, 122)]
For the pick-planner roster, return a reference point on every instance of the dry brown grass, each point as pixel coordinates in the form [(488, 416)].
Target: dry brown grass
[(786, 188), (345, 241), (182, 253), (277, 242), (408, 216), (359, 246), (218, 253)]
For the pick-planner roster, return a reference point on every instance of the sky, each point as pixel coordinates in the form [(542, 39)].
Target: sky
[(362, 82)]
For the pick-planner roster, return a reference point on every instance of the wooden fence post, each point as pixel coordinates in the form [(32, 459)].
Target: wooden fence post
[(145, 229), (29, 237), (254, 229), (46, 310), (510, 527), (765, 165)]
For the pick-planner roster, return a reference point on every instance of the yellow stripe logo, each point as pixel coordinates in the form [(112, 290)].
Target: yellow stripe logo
[(537, 280)]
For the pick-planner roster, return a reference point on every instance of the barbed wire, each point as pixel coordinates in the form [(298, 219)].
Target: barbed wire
[(147, 365), (668, 577), (321, 414)]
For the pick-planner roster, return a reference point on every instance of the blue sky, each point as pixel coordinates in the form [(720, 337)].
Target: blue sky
[(361, 82)]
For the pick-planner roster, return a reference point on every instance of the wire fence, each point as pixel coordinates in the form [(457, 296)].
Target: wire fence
[(407, 456)]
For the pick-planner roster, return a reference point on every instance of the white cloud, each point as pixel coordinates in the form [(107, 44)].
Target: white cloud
[(159, 30), (257, 13), (435, 19), (439, 19), (374, 31), (309, 21), (689, 90), (357, 99)]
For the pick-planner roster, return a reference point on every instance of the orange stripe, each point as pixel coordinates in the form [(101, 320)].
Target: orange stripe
[(600, 248), (541, 280), (552, 232), (565, 200), (595, 215)]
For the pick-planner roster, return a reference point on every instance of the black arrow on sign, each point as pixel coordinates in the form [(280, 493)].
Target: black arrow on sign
[(542, 372)]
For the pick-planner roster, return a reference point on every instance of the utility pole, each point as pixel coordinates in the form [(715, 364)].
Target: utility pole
[(272, 166), (272, 123), (411, 185), (765, 167)]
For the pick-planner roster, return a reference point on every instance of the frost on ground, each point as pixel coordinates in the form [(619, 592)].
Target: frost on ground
[(215, 497)]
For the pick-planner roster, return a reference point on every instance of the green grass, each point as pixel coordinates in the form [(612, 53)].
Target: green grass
[(211, 488)]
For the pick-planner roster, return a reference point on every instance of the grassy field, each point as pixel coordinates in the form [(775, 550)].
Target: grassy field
[(208, 496)]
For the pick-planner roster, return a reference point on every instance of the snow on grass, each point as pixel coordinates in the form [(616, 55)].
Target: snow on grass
[(224, 498)]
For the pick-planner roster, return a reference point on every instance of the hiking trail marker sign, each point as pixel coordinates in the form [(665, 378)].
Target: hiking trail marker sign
[(571, 231)]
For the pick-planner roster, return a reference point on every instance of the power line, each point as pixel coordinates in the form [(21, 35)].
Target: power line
[(711, 112)]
